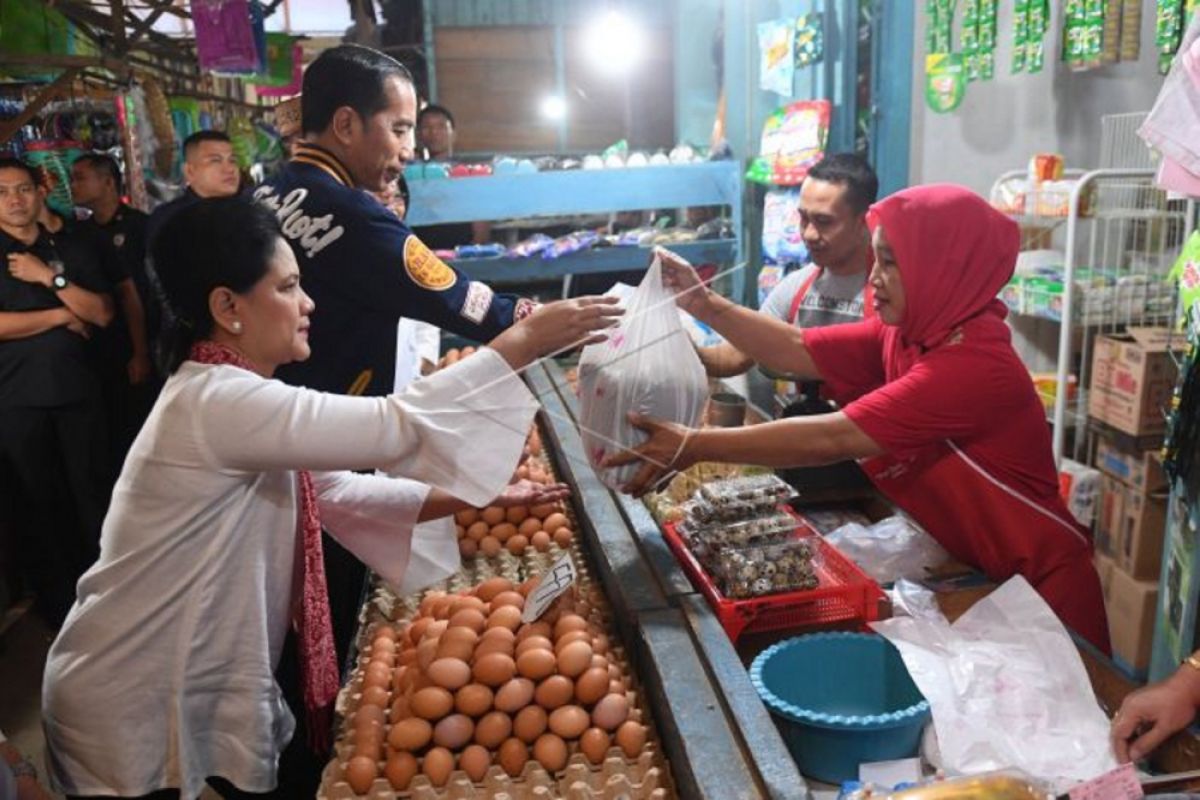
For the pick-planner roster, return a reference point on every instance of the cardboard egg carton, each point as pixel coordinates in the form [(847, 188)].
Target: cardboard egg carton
[(617, 777)]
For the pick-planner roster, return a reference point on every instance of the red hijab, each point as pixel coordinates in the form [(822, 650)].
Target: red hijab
[(954, 252)]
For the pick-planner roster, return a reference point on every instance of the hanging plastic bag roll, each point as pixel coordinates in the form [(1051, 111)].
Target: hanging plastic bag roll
[(648, 366)]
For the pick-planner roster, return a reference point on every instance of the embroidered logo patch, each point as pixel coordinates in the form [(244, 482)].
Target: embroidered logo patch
[(426, 270), (477, 302)]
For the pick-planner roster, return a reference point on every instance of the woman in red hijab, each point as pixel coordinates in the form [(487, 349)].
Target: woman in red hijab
[(934, 400)]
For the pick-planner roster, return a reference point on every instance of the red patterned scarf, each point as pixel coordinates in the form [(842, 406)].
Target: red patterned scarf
[(318, 659)]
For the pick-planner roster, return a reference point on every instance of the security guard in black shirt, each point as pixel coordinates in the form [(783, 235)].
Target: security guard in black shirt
[(52, 438)]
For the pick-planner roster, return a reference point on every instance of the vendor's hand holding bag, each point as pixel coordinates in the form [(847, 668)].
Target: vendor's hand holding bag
[(648, 366)]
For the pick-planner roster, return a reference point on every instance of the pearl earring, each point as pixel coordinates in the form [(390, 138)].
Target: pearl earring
[(237, 326)]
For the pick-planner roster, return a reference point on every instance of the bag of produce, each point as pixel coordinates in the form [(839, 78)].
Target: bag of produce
[(648, 366)]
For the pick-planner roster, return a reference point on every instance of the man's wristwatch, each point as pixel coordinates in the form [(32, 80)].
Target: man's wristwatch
[(59, 282)]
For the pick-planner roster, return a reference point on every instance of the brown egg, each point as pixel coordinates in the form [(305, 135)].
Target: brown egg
[(563, 537), (516, 544), (437, 766), (400, 769), (368, 715), (475, 761), (476, 531), (473, 700), (574, 659), (438, 626), (426, 653), (450, 673), (489, 646), (534, 643), (540, 541), (516, 514), (492, 587), (501, 634), (490, 546), (504, 531), (509, 598), (467, 601), (591, 685), (536, 663), (512, 756), (494, 669), (544, 510), (538, 628), (514, 695), (554, 691), (375, 696), (493, 729), (569, 721), (467, 547), (505, 617), (600, 644), (555, 521), (400, 709), (408, 656), (551, 752), (454, 731), (529, 527), (467, 516), (361, 771), (471, 618), (383, 644), (410, 734), (595, 743), (568, 623), (459, 647), (384, 632), (614, 672), (417, 629), (369, 745), (528, 585), (441, 610), (610, 712), (530, 723), (598, 661), (571, 636), (432, 703), (492, 515), (631, 738), (616, 686), (418, 681)]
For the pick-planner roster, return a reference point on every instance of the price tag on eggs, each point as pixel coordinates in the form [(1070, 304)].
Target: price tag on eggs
[(549, 588)]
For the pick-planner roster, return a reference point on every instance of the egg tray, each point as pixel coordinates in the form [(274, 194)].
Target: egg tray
[(646, 777)]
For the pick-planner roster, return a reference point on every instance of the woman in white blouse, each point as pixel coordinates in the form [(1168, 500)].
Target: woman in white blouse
[(162, 676)]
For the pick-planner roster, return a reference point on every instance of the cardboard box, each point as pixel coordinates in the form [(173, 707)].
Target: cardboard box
[(1130, 604), (1104, 567), (1142, 470), (1133, 376), (1130, 527)]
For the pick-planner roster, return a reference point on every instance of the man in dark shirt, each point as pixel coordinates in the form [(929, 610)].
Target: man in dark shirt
[(130, 380), (52, 437), (210, 170)]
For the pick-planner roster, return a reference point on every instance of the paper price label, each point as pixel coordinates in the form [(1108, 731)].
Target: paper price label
[(549, 588), (1120, 784)]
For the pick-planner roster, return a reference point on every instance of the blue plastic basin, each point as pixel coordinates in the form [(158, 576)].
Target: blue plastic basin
[(839, 700)]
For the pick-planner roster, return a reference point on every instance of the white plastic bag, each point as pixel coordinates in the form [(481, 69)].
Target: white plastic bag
[(891, 549), (648, 365), (1007, 689)]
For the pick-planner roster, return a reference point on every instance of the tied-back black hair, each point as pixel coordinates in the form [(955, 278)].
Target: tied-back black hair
[(852, 171), (216, 242), (346, 75)]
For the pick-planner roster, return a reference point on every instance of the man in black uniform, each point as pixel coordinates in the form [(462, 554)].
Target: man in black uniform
[(130, 380), (364, 269), (51, 423), (210, 170)]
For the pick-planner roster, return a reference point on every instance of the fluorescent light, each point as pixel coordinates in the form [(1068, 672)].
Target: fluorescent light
[(554, 107), (613, 43)]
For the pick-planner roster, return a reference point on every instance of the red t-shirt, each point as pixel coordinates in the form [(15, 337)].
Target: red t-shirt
[(972, 390)]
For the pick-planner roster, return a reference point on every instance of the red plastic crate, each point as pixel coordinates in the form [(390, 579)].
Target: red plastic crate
[(845, 592)]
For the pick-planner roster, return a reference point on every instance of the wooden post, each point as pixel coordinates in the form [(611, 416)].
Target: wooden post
[(118, 25)]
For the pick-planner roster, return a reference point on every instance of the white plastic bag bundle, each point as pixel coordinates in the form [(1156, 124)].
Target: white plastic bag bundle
[(648, 366), (891, 549)]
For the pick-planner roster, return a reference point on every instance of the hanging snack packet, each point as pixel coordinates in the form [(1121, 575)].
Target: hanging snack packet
[(777, 65)]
